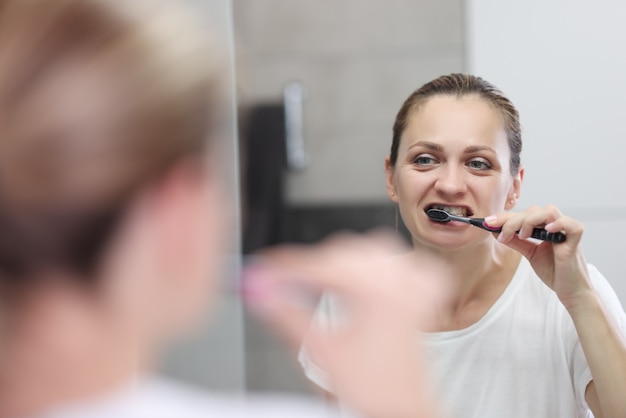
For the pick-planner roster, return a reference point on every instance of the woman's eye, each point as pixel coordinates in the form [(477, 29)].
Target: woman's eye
[(479, 165), (424, 160)]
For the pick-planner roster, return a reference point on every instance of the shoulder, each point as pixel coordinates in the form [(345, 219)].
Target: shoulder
[(599, 282), (160, 398), (154, 398), (187, 401)]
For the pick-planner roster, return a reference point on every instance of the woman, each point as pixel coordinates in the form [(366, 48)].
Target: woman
[(508, 345), (113, 219)]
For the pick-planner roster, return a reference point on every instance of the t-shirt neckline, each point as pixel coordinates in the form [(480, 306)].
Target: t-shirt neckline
[(493, 313)]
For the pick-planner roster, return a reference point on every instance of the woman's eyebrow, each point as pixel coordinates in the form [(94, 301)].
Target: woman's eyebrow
[(428, 145), (479, 148)]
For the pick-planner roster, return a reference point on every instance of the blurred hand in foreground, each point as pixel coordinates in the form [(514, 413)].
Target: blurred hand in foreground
[(374, 360)]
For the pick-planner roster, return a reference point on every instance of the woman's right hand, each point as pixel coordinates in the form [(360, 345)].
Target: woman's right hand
[(374, 360), (561, 266)]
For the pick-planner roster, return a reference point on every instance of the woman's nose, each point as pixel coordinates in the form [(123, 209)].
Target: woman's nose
[(451, 181)]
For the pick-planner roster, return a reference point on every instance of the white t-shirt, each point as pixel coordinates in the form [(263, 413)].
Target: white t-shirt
[(159, 398), (522, 359)]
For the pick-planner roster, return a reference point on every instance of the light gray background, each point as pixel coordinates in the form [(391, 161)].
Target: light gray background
[(563, 63)]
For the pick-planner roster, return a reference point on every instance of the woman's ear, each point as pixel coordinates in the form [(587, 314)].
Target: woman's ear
[(192, 228), (390, 180), (163, 266), (516, 189)]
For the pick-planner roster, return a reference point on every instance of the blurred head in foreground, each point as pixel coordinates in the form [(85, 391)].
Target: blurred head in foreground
[(107, 189), (113, 220)]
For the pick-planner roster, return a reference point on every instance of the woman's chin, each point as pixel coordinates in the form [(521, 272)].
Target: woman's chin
[(447, 242)]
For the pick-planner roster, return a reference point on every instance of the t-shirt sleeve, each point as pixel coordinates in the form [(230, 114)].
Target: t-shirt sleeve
[(325, 318), (581, 375)]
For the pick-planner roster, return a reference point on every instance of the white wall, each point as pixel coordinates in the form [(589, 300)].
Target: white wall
[(563, 63)]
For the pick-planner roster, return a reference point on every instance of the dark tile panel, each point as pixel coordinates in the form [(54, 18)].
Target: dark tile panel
[(307, 224)]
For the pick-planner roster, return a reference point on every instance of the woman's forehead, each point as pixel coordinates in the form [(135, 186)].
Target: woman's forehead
[(455, 122)]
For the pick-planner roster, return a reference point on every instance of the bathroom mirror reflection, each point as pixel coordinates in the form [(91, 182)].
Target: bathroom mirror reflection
[(320, 83)]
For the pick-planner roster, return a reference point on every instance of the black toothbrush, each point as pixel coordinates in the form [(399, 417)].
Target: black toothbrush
[(441, 215)]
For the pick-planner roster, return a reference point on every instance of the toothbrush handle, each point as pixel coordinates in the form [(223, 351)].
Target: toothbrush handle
[(538, 233), (542, 234)]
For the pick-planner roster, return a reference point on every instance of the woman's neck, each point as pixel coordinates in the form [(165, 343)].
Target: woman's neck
[(56, 351), (479, 275)]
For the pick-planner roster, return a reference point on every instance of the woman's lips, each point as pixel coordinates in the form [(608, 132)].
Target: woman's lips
[(448, 224)]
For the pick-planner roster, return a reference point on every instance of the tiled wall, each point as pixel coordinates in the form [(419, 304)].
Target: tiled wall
[(359, 60)]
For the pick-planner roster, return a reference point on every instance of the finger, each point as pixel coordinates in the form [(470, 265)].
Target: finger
[(497, 220), (572, 228), (290, 323), (335, 263), (379, 243), (510, 227), (515, 224), (524, 247), (537, 218), (288, 310), (522, 224)]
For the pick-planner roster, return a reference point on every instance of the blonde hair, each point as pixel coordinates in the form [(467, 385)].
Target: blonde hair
[(168, 69)]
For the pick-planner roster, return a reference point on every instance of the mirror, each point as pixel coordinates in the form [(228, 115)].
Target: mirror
[(358, 60)]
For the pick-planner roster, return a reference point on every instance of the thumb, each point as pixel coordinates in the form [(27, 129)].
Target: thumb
[(287, 307), (525, 247)]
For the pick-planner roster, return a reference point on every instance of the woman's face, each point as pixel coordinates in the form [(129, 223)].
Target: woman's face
[(453, 155)]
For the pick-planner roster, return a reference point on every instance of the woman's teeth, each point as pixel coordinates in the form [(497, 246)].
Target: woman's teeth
[(453, 210)]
